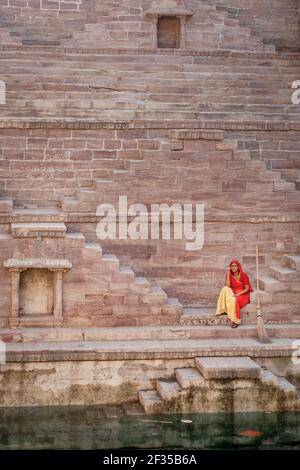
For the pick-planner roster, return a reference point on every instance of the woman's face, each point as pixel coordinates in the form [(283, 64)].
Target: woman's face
[(234, 268)]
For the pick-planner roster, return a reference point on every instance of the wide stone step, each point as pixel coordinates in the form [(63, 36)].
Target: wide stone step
[(150, 401), (202, 316), (168, 390), (271, 284), (292, 261), (142, 350), (189, 377), (228, 368), (284, 274), (149, 333)]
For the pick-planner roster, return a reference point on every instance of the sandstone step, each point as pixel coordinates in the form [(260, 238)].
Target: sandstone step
[(287, 389), (270, 284), (92, 250), (280, 330), (189, 377), (202, 316), (168, 390), (77, 238), (150, 401), (6, 205), (125, 274), (228, 368), (155, 296), (141, 285), (172, 307), (283, 274), (69, 204), (87, 195), (267, 377), (292, 261), (112, 261), (143, 350)]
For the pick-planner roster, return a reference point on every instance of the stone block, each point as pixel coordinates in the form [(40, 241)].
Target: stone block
[(220, 368)]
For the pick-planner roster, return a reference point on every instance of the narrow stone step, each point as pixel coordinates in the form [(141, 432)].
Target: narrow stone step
[(270, 284), (227, 368), (267, 377), (156, 296), (292, 261), (287, 389), (6, 205), (172, 307), (69, 204), (150, 401), (168, 390), (112, 261), (87, 195), (283, 273), (124, 275), (92, 250), (189, 377), (141, 285)]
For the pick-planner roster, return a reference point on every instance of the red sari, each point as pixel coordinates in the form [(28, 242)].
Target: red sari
[(238, 286), (229, 304)]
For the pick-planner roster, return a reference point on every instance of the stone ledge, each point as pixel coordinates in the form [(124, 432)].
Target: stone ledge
[(25, 263), (44, 123), (144, 350), (135, 51), (79, 217), (164, 11), (38, 229)]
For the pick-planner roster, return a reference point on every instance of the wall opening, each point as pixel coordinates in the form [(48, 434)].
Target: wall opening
[(37, 292), (168, 32)]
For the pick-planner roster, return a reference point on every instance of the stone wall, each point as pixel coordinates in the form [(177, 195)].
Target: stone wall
[(95, 23), (87, 382), (274, 21)]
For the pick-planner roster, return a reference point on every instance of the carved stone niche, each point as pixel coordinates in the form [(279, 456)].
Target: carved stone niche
[(37, 286), (169, 26)]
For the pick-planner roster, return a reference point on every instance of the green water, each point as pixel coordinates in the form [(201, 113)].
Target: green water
[(91, 428)]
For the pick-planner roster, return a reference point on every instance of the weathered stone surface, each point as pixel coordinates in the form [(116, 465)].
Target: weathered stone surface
[(38, 229), (225, 368), (189, 377)]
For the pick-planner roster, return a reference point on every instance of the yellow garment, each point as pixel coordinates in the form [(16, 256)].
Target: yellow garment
[(226, 304)]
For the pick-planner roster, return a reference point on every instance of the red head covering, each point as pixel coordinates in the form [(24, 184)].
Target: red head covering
[(243, 276)]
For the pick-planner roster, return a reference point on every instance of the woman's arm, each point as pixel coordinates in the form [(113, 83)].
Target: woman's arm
[(242, 292), (228, 277)]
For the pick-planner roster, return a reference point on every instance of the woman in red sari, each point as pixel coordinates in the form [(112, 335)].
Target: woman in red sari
[(235, 295)]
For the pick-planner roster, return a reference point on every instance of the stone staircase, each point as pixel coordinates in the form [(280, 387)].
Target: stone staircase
[(125, 85), (109, 294), (221, 384), (139, 173)]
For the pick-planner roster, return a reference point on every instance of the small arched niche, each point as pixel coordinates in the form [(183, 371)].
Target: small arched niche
[(169, 27), (168, 32)]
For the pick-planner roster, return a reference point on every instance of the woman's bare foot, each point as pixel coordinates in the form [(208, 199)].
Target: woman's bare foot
[(234, 325)]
